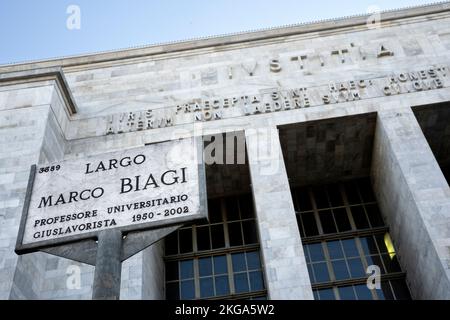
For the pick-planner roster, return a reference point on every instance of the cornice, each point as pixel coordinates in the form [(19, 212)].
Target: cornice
[(36, 75), (175, 47)]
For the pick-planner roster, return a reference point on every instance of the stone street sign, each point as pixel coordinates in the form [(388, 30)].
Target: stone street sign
[(135, 189)]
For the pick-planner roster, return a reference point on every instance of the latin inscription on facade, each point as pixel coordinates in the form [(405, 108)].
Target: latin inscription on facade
[(280, 100)]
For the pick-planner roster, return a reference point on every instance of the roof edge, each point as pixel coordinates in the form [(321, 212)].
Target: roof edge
[(35, 75), (227, 39)]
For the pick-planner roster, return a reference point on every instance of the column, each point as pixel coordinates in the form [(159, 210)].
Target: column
[(282, 252), (21, 135), (414, 197)]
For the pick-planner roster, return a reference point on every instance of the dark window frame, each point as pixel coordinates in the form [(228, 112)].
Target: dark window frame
[(228, 250), (366, 200)]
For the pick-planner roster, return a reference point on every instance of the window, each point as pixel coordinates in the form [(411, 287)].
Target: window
[(343, 233), (446, 172), (219, 259)]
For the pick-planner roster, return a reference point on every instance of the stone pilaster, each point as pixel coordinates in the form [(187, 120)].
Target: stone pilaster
[(282, 252), (415, 200), (20, 147), (153, 280)]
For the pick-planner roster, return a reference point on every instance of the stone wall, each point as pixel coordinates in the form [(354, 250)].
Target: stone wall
[(415, 199), (22, 133), (39, 122)]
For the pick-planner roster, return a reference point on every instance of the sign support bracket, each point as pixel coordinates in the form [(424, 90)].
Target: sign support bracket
[(106, 249), (108, 266)]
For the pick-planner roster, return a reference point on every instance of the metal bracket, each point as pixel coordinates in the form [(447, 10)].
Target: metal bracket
[(86, 251)]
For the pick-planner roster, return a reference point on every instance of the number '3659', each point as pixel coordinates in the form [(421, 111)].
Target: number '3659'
[(49, 168)]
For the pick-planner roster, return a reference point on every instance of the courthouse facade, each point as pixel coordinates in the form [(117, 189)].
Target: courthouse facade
[(355, 115)]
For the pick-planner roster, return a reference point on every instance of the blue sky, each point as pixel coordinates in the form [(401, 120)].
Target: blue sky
[(31, 30)]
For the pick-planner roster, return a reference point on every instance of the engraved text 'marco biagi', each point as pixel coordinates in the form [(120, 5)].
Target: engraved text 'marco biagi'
[(138, 183), (127, 184)]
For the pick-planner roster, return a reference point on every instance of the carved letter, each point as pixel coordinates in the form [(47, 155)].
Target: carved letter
[(384, 52), (340, 53), (300, 60), (250, 67), (275, 65)]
